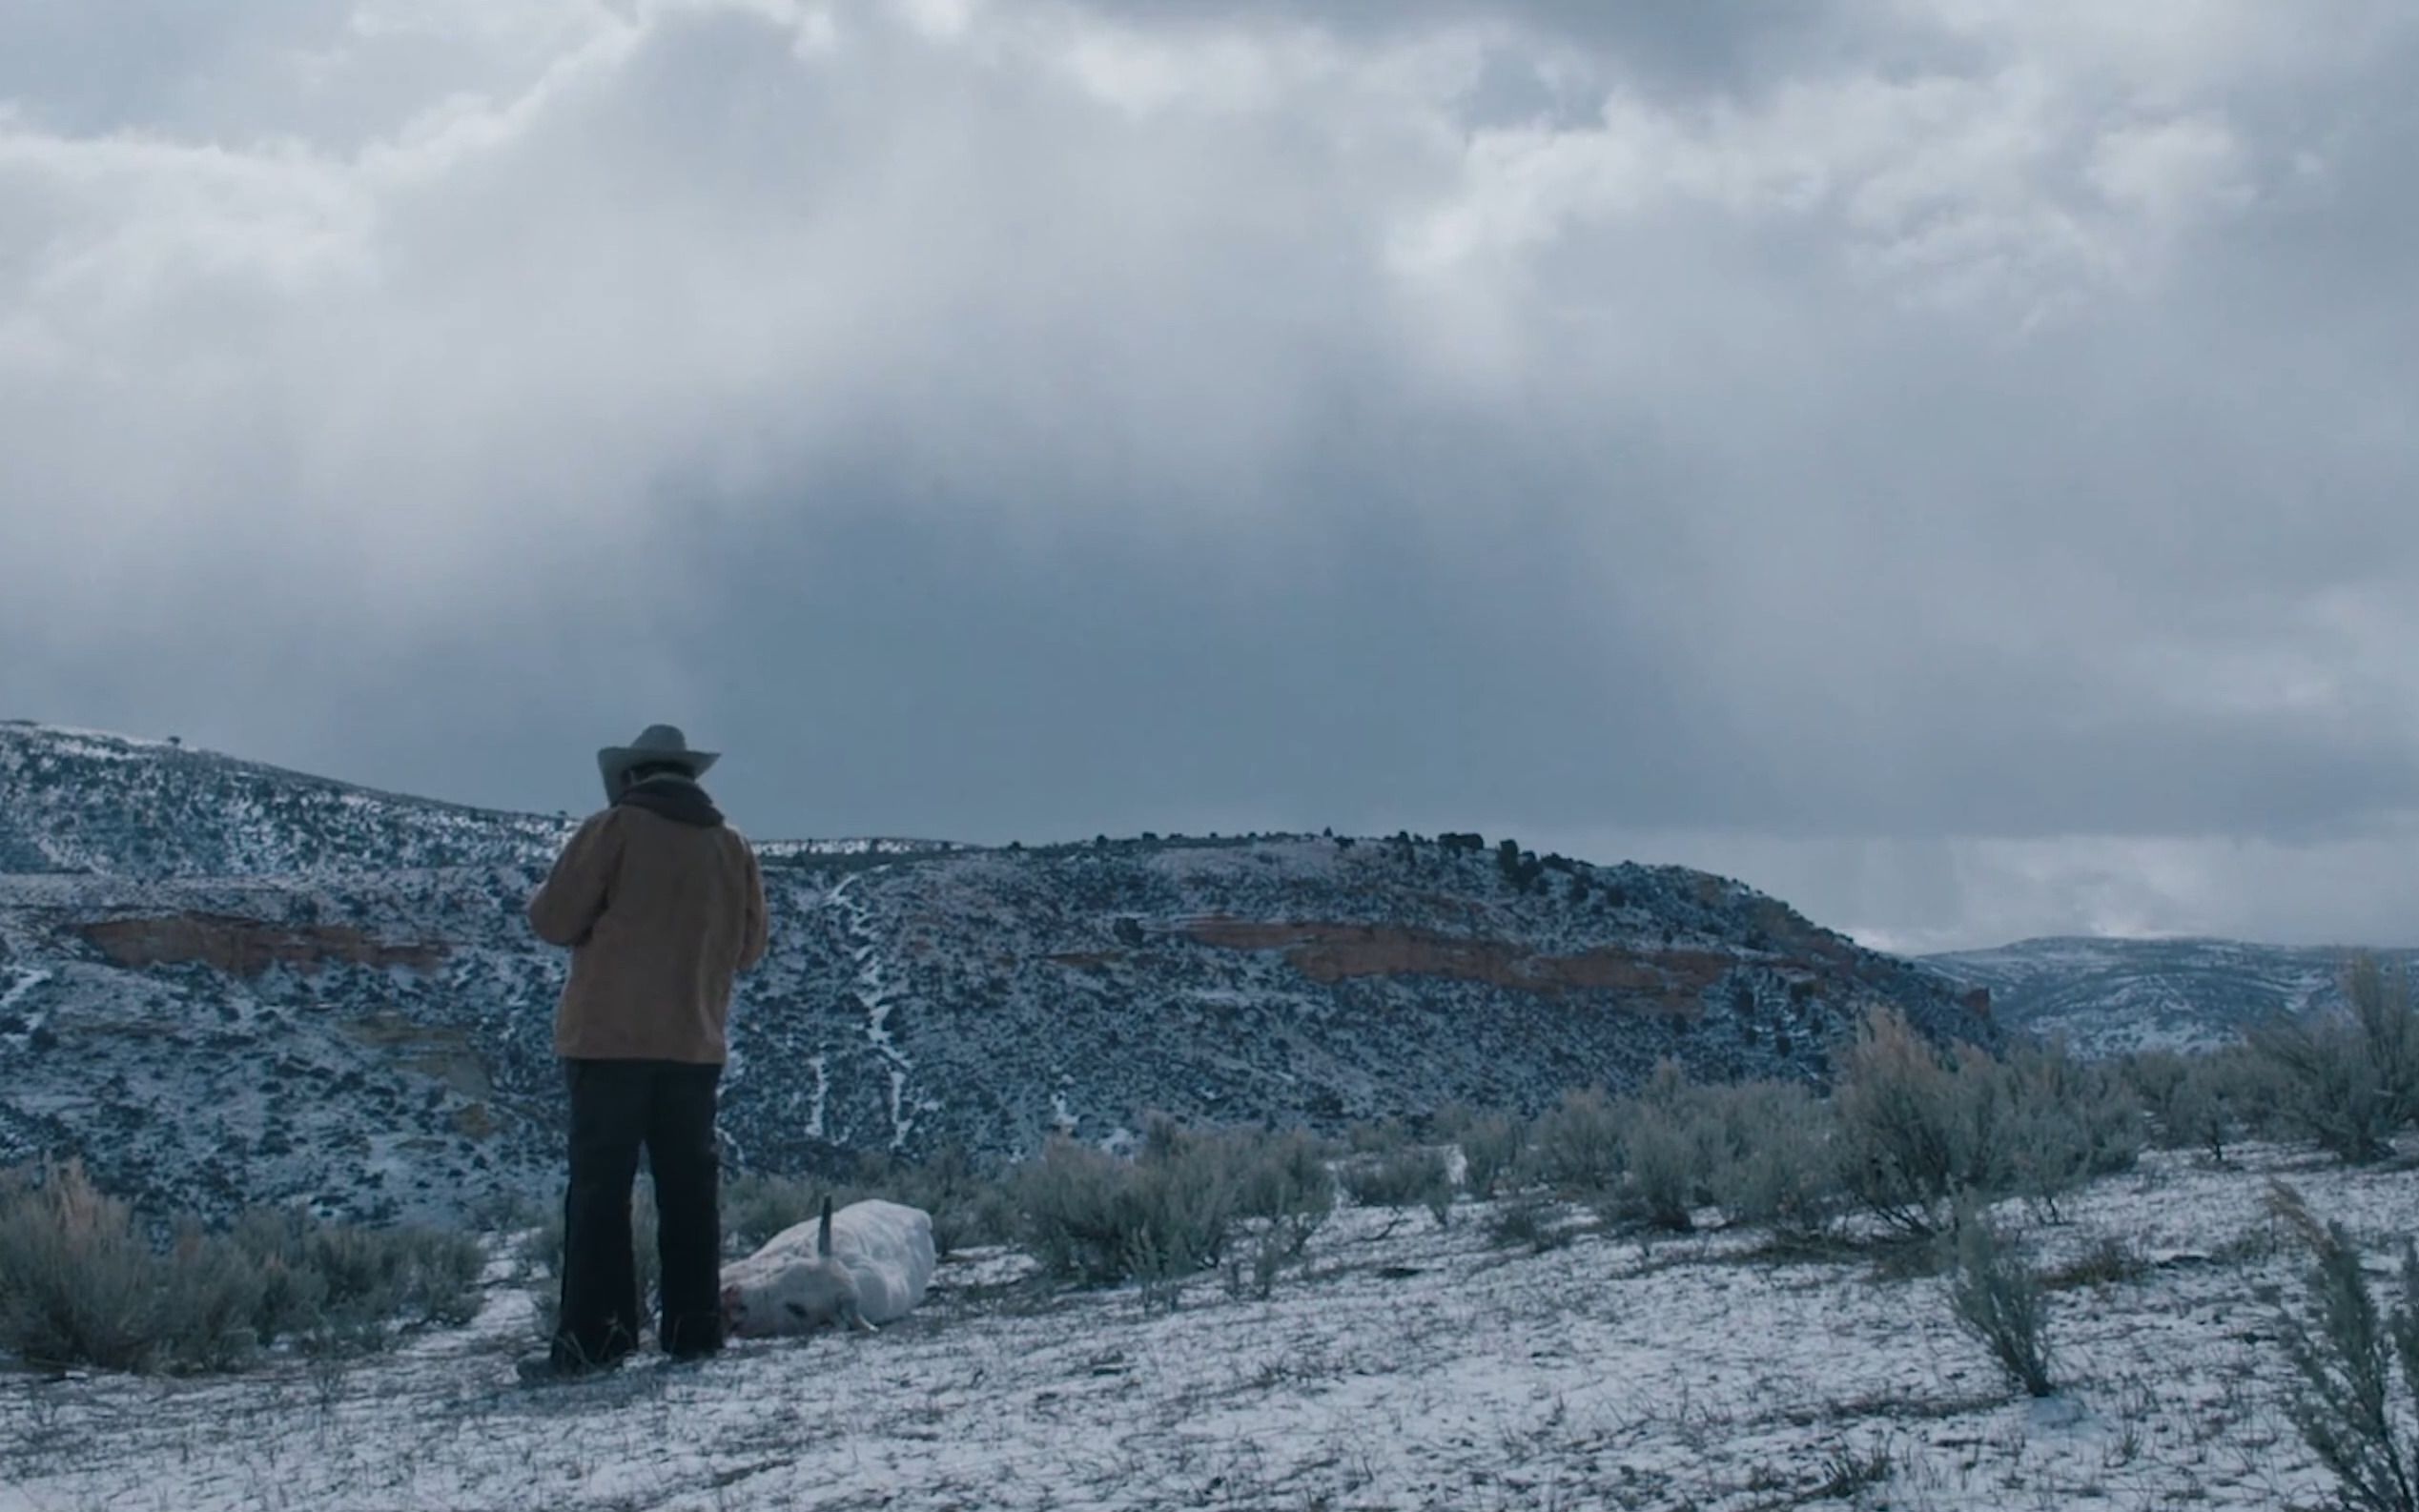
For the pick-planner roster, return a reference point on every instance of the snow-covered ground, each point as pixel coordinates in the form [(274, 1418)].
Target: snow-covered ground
[(1409, 1368)]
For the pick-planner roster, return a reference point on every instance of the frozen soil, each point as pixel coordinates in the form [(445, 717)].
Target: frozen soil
[(1407, 1367)]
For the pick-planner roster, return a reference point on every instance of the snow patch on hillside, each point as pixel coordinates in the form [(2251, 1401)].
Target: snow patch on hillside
[(880, 997), (15, 982)]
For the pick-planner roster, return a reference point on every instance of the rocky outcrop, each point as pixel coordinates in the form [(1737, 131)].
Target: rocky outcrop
[(246, 947), (1673, 982), (434, 1051)]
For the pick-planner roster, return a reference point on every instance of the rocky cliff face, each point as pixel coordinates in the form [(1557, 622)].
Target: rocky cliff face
[(248, 947), (377, 1040)]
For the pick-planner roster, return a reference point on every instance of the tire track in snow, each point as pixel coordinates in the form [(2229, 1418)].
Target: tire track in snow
[(875, 991)]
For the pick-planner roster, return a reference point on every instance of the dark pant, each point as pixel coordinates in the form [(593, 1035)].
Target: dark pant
[(617, 1107)]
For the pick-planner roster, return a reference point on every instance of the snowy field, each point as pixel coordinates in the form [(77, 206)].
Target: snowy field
[(1409, 1368)]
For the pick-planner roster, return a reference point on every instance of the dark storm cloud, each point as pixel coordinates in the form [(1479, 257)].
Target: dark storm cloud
[(1946, 463), (1709, 42)]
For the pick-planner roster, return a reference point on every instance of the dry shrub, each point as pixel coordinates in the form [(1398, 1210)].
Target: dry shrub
[(1092, 1217), (969, 1205), (1781, 1165), (2198, 1101), (1381, 1137), (2344, 1352), (2065, 1122), (1670, 1143), (1919, 1129), (80, 1283), (1284, 1192), (1577, 1147), (757, 1206), (2109, 1261), (2351, 1081), (1284, 1178), (1529, 1222), (1764, 1153), (1999, 1301), (1492, 1149), (1913, 1133), (1415, 1176), (345, 1290)]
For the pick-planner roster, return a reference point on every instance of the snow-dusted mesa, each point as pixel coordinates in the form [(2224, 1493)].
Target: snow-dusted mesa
[(306, 970), (1405, 1367)]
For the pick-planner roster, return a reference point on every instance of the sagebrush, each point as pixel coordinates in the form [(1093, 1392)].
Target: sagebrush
[(1410, 1176), (1763, 1152), (1999, 1301), (82, 1283), (1492, 1149), (2345, 1353), (1920, 1129), (2350, 1082), (1089, 1216)]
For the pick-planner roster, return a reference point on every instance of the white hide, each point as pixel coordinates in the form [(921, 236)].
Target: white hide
[(881, 1262), (888, 1247)]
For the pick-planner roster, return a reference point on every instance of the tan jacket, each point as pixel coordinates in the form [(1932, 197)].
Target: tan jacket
[(660, 916)]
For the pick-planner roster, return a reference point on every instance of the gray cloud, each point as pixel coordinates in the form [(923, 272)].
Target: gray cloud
[(1945, 464)]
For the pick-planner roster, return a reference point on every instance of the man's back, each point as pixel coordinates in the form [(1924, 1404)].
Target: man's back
[(662, 905)]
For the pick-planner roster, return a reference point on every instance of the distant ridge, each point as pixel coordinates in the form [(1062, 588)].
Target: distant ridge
[(81, 801), (2107, 997), (229, 816)]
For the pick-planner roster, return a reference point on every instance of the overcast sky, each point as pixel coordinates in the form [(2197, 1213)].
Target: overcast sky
[(1950, 463)]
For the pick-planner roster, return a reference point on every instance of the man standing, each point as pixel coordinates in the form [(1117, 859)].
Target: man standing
[(662, 905)]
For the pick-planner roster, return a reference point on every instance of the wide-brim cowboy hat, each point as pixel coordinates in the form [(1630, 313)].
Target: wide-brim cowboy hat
[(656, 745)]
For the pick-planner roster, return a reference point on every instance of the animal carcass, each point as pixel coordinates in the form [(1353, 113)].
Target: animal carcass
[(867, 1264)]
